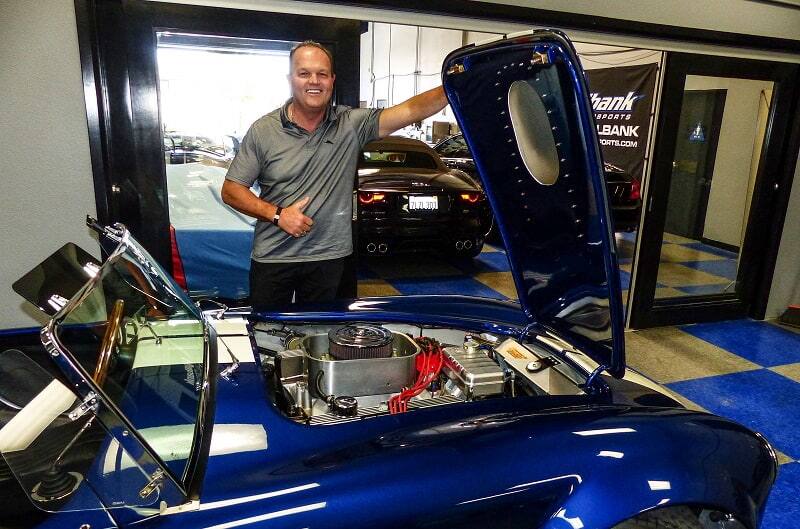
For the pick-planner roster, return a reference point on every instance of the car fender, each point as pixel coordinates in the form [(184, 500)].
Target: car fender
[(697, 459), (564, 468)]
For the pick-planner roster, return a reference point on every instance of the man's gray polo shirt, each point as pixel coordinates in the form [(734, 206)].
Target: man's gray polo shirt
[(290, 164)]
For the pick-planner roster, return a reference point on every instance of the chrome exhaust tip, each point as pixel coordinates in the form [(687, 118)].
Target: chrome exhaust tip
[(459, 245), (383, 247), (371, 247), (467, 244)]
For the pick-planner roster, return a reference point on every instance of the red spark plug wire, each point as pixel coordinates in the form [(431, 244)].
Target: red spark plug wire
[(429, 364)]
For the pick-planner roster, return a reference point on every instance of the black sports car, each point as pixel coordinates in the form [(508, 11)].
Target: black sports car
[(624, 198), (624, 191), (409, 200)]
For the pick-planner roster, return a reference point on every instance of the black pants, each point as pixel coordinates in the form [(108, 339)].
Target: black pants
[(272, 284)]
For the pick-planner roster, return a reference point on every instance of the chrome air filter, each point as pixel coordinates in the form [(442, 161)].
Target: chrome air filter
[(352, 342)]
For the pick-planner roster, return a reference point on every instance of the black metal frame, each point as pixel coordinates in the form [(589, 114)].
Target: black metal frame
[(768, 207), (117, 40)]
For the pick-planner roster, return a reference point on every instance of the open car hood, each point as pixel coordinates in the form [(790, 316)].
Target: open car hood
[(523, 105)]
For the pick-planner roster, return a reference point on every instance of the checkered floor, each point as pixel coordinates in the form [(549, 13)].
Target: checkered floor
[(746, 370), (688, 267), (487, 275)]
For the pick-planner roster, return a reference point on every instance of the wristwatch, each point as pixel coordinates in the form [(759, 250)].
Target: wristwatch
[(277, 216)]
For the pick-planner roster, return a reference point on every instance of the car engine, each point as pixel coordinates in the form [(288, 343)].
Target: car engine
[(331, 374)]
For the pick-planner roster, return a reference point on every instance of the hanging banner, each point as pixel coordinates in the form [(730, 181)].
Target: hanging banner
[(622, 98)]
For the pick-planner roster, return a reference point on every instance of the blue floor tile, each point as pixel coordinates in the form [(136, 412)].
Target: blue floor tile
[(624, 280), (712, 250), (761, 400), (445, 285), (364, 272), (494, 261), (629, 236), (484, 262), (757, 341), (721, 267), (783, 509)]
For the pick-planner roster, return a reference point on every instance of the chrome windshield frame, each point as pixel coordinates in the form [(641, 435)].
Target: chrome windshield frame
[(188, 485)]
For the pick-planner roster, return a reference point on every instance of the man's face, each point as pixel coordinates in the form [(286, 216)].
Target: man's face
[(311, 78)]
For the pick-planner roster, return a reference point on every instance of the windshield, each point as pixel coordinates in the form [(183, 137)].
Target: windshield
[(405, 159), (455, 147), (142, 341)]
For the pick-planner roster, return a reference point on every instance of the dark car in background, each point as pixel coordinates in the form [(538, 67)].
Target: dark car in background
[(409, 200), (624, 198), (624, 190)]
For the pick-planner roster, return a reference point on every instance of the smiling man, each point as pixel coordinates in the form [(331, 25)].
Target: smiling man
[(304, 157)]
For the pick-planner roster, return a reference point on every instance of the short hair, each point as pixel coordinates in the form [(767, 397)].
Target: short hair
[(311, 44)]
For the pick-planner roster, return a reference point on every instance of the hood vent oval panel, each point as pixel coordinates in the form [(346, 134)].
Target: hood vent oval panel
[(533, 133)]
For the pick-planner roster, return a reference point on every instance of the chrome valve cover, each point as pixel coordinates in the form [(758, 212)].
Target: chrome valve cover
[(473, 372)]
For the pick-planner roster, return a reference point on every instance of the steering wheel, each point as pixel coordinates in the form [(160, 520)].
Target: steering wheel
[(109, 343)]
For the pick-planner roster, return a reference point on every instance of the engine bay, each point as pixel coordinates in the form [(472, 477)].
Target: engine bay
[(329, 374)]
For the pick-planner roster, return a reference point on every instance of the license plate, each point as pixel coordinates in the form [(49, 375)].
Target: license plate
[(423, 203)]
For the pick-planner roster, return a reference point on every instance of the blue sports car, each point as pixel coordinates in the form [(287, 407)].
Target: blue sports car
[(412, 412)]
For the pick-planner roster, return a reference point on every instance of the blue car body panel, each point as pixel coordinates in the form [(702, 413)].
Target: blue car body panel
[(496, 463), (463, 312), (558, 237)]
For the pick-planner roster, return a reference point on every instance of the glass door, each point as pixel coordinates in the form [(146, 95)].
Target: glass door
[(701, 256), (211, 89)]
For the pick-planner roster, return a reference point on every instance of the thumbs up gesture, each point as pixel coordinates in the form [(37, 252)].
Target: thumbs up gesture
[(293, 221)]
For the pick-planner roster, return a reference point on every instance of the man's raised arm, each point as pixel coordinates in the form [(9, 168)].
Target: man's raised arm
[(410, 111)]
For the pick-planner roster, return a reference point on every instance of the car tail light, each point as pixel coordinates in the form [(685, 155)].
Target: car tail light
[(636, 190), (367, 197), (470, 197), (177, 262)]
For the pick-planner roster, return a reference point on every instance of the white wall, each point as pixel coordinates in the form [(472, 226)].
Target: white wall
[(407, 60), (737, 16), (786, 281), (741, 16), (47, 176)]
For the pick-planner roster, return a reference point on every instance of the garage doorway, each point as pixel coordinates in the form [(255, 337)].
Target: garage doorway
[(211, 89), (122, 73), (704, 251)]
